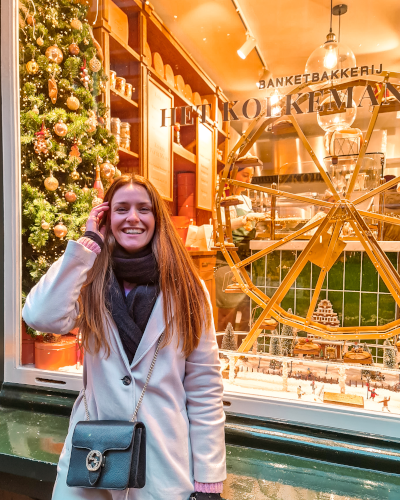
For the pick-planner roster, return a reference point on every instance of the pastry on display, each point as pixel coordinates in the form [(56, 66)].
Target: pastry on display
[(325, 315), (358, 355), (306, 347), (268, 324)]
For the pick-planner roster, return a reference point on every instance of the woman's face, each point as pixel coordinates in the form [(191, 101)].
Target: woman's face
[(132, 218), (245, 175)]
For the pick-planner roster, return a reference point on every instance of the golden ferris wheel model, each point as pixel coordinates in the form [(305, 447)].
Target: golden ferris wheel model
[(326, 242)]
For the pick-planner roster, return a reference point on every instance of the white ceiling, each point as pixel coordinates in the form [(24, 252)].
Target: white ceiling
[(287, 31)]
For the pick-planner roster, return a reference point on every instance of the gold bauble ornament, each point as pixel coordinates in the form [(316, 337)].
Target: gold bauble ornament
[(74, 49), (60, 230), (51, 183), (73, 103), (95, 64), (96, 201), (45, 225), (117, 173), (74, 175), (61, 129), (83, 229), (31, 20), (54, 54), (32, 67), (35, 110), (85, 190), (70, 196), (76, 24), (40, 41), (107, 170)]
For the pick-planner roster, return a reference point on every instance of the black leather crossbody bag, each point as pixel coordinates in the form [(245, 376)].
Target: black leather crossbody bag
[(110, 454)]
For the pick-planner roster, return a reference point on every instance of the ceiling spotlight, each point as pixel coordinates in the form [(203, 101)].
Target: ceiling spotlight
[(247, 47), (264, 75)]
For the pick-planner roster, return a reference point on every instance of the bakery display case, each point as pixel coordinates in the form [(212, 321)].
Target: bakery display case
[(94, 80), (319, 267)]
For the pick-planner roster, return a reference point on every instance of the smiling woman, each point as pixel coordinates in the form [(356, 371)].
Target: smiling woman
[(136, 292)]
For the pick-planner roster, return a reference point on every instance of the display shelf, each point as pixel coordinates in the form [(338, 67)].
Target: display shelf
[(125, 154), (184, 153), (222, 133), (182, 100), (119, 50), (181, 164), (119, 101)]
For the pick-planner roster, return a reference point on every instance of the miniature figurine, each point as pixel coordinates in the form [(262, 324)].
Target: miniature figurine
[(385, 404), (299, 392), (313, 387), (373, 394)]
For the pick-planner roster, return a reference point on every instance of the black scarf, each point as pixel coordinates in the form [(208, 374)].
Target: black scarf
[(132, 312)]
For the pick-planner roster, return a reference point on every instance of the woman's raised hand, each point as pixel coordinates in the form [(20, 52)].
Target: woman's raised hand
[(95, 216)]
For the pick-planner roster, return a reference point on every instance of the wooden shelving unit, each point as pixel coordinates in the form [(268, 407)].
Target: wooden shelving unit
[(126, 30)]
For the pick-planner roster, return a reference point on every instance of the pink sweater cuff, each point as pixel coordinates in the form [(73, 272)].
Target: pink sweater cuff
[(208, 487), (90, 245)]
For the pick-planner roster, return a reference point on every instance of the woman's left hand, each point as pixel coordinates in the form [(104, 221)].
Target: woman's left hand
[(95, 216)]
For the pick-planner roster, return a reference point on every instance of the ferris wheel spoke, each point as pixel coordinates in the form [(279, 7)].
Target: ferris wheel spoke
[(380, 217), (324, 270), (377, 190), (375, 245), (298, 266), (365, 145), (278, 244), (317, 163), (283, 194), (387, 274)]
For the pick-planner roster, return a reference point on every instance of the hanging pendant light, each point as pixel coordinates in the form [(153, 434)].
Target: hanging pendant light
[(331, 55)]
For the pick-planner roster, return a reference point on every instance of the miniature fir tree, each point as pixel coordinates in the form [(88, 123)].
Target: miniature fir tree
[(275, 347), (389, 355), (229, 340), (63, 134), (287, 331)]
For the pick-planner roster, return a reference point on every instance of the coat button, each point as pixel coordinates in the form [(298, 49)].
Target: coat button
[(126, 380)]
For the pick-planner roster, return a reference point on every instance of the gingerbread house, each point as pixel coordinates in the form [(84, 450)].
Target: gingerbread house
[(325, 315)]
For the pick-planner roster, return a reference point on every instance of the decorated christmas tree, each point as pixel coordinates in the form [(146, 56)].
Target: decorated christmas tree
[(389, 355), (275, 347), (229, 340), (64, 142), (287, 331)]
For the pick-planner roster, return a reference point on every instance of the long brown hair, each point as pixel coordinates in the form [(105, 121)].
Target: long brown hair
[(184, 297)]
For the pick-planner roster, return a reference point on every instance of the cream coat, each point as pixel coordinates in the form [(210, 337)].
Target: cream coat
[(182, 408)]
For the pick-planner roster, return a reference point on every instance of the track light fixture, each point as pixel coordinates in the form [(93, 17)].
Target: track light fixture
[(264, 75), (247, 47)]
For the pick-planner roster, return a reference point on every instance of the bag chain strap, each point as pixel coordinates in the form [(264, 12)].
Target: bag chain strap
[(143, 390)]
